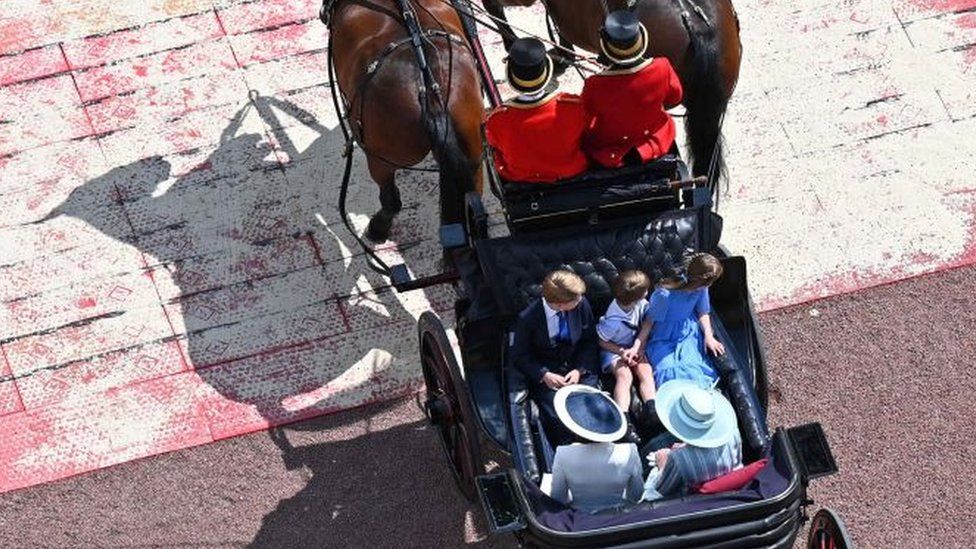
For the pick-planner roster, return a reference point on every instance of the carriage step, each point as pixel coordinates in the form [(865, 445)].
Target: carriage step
[(810, 444), (499, 503)]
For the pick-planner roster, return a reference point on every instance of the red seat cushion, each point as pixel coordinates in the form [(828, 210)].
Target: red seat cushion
[(734, 480)]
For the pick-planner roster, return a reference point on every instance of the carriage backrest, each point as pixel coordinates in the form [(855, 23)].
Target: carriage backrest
[(515, 266)]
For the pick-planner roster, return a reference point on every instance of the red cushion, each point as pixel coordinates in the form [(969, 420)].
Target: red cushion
[(734, 480)]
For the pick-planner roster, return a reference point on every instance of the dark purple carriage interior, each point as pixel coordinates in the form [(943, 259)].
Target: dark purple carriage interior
[(772, 480), (511, 270)]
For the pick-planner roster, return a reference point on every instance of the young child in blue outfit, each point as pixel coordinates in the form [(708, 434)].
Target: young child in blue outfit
[(620, 348), (679, 327)]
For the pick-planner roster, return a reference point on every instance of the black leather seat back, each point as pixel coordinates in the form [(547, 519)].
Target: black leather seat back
[(515, 266)]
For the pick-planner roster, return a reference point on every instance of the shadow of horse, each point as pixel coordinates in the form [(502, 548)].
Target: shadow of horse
[(272, 308)]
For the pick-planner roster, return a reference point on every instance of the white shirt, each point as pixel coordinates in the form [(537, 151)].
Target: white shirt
[(552, 321), (597, 475)]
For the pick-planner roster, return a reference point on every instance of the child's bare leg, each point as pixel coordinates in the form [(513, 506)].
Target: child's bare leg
[(645, 381), (621, 389)]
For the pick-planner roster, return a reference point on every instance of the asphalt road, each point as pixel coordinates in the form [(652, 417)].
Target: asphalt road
[(886, 370)]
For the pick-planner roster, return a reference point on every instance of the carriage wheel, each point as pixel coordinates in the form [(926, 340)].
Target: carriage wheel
[(448, 404), (827, 532), (475, 218)]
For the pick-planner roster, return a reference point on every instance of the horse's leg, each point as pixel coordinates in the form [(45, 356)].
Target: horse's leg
[(390, 205), (495, 9)]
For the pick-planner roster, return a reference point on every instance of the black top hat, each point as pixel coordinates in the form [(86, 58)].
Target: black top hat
[(623, 38), (529, 68)]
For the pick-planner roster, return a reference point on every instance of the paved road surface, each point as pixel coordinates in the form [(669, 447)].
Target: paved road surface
[(886, 370), (172, 267)]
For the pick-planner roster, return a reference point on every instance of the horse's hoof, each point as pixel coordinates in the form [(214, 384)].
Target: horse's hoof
[(378, 230)]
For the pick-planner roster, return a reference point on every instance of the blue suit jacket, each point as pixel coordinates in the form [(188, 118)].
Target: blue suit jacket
[(535, 354)]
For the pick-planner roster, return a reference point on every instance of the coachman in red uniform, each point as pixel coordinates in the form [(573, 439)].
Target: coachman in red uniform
[(537, 136), (628, 100)]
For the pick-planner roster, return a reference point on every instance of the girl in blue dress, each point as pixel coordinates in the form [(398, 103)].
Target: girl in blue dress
[(678, 325)]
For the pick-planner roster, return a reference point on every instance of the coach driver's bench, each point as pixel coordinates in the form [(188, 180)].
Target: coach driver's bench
[(597, 194)]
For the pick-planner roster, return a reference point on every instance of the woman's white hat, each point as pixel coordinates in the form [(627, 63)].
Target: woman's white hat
[(590, 413), (699, 417)]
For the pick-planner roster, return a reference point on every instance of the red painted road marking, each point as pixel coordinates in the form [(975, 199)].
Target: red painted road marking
[(112, 427), (10, 400), (220, 233), (55, 114), (32, 64), (142, 41), (90, 377)]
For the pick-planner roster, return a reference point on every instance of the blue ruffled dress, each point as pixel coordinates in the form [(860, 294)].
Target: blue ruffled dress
[(676, 346)]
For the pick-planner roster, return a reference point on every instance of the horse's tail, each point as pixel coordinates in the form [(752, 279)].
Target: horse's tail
[(705, 102), (456, 171)]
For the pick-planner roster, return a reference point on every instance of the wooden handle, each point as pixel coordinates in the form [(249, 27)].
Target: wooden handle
[(693, 182)]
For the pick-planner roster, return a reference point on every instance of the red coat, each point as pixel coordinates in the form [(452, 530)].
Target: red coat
[(627, 107), (538, 142)]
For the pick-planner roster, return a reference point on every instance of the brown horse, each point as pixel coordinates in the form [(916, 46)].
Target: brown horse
[(395, 114), (699, 37)]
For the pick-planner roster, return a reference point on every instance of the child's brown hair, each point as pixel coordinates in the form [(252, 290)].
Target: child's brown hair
[(701, 270), (562, 287), (630, 286)]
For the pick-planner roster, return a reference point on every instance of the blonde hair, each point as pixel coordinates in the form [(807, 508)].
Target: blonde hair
[(562, 286), (701, 270), (630, 286)]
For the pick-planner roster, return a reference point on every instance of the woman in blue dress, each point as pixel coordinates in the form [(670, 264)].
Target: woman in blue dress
[(677, 326)]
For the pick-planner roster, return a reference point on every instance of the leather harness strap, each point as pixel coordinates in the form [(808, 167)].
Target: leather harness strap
[(683, 6), (416, 35), (373, 67), (392, 46)]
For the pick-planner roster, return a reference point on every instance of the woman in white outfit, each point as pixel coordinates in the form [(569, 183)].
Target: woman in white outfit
[(595, 473)]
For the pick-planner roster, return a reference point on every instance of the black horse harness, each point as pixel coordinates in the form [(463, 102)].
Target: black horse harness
[(429, 88)]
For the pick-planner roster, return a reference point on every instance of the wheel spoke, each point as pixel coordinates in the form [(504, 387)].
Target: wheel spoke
[(448, 408)]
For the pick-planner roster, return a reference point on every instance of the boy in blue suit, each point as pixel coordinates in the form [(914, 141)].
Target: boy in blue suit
[(555, 345)]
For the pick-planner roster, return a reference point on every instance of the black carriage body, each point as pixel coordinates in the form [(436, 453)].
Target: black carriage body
[(640, 217), (500, 276)]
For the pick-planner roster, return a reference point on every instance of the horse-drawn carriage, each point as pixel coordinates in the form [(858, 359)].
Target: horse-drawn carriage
[(647, 217)]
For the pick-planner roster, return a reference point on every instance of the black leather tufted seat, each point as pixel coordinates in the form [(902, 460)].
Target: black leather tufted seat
[(514, 268)]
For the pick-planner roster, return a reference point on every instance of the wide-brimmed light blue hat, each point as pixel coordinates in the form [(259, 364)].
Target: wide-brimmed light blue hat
[(590, 413), (699, 417)]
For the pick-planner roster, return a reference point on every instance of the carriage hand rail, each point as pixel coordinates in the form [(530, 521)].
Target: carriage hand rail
[(686, 183), (403, 282)]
